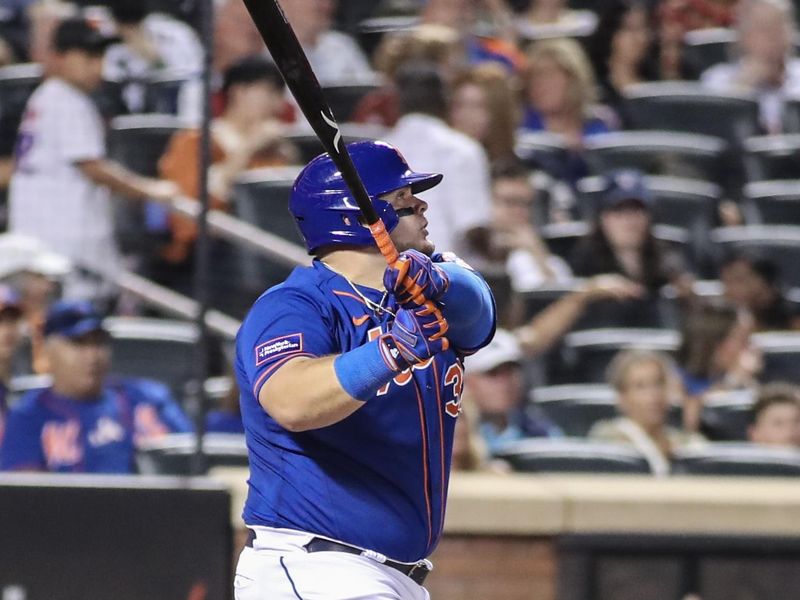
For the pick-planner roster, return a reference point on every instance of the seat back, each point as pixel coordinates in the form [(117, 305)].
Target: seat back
[(572, 455), (173, 454), (773, 157), (774, 202), (160, 349), (722, 458), (659, 153), (575, 408)]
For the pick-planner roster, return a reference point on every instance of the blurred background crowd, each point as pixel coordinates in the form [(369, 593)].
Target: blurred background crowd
[(624, 173)]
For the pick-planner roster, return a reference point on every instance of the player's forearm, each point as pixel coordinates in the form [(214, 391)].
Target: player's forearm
[(305, 394), (468, 306), (117, 178)]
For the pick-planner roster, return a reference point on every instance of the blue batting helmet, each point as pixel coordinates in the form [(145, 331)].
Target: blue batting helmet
[(323, 205)]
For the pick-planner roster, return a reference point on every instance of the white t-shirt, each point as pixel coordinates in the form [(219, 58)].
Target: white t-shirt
[(462, 200), (50, 199), (526, 273), (337, 58)]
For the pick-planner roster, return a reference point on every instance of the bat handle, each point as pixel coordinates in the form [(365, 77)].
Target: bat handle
[(384, 242)]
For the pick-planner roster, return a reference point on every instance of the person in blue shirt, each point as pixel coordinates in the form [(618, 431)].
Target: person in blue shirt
[(350, 391), (10, 335), (85, 422)]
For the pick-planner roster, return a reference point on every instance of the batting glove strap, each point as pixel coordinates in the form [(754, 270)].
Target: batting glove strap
[(414, 279), (418, 334)]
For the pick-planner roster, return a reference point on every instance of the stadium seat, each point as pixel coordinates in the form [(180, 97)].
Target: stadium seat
[(773, 157), (658, 153), (17, 83), (370, 31), (741, 459), (138, 142), (781, 243), (160, 349), (309, 146), (343, 97), (689, 107), (774, 202), (173, 454), (162, 91), (261, 198), (726, 414), (704, 48), (781, 352), (542, 151), (576, 407), (572, 456), (561, 238), (588, 353)]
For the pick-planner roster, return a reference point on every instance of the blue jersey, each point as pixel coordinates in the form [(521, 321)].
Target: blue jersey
[(3, 409), (378, 478), (47, 431)]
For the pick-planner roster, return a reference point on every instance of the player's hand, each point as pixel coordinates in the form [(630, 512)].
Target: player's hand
[(415, 336), (414, 278)]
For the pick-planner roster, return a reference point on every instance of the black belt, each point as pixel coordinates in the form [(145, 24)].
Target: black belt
[(416, 571)]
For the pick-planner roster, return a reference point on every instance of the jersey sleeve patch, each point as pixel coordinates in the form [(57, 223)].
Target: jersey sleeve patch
[(279, 346)]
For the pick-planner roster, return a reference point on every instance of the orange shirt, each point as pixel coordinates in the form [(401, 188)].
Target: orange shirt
[(180, 163)]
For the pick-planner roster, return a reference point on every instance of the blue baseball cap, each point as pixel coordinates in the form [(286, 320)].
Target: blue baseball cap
[(72, 319), (625, 185), (10, 300)]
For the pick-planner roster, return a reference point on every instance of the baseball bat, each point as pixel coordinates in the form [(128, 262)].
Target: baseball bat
[(293, 64)]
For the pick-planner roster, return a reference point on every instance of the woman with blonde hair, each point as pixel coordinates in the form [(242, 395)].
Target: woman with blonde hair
[(644, 382), (560, 92), (483, 105)]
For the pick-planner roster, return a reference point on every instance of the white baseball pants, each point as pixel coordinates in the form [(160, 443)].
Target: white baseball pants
[(277, 567)]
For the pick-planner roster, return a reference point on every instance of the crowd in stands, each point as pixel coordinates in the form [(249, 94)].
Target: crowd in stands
[(624, 173)]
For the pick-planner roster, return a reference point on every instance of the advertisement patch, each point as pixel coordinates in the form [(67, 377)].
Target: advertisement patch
[(286, 344)]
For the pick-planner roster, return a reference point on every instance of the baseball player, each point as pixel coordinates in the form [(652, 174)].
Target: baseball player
[(350, 390)]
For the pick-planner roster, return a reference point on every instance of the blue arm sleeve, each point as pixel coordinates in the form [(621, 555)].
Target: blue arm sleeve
[(468, 306)]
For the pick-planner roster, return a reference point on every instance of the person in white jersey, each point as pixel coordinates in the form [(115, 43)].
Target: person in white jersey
[(60, 188)]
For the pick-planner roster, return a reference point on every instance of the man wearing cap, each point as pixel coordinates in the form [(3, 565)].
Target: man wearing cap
[(10, 333), (494, 383), (59, 191), (85, 422)]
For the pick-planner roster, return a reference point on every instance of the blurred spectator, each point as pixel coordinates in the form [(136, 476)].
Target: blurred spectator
[(621, 49), (515, 240), (334, 56), (559, 93), (14, 31), (678, 17), (494, 383), (151, 42), (247, 135), (752, 283), (553, 18), (85, 422), (227, 417), (776, 416), (642, 382), (484, 106), (437, 44), (766, 65), (60, 189), (494, 40), (235, 37), (621, 240), (10, 335), (716, 353), (459, 208)]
